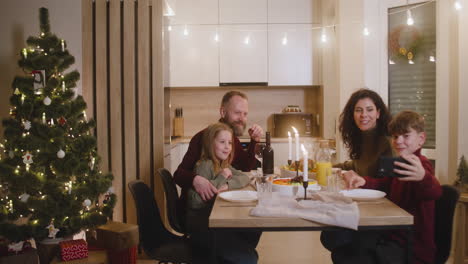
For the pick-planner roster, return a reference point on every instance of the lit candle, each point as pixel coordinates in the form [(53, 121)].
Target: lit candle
[(43, 118), (63, 86), (306, 163), (63, 44), (25, 53), (296, 135), (22, 98), (289, 146)]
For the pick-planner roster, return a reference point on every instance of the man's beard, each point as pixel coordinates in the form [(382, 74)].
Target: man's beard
[(238, 127)]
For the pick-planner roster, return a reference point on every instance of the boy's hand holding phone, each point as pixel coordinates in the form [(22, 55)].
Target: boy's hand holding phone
[(353, 180), (413, 171)]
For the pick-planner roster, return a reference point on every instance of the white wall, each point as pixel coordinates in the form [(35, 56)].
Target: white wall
[(19, 19)]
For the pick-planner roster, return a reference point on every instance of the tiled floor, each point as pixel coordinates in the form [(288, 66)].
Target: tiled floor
[(286, 247)]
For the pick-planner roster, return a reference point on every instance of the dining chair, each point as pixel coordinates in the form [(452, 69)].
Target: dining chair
[(157, 242), (174, 214), (444, 212)]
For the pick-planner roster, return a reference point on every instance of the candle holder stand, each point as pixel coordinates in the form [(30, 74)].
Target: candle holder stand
[(305, 184)]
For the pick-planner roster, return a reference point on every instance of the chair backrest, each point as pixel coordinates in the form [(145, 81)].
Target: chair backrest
[(444, 211), (152, 231), (173, 213)]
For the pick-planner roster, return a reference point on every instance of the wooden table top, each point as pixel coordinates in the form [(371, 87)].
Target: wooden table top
[(381, 212)]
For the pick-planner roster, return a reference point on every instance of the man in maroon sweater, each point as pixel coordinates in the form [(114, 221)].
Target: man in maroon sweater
[(234, 109), (416, 193)]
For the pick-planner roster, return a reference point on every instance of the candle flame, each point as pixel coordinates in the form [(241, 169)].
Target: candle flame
[(303, 149), (295, 130)]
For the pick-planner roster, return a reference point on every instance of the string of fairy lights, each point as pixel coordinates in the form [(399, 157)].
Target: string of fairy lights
[(324, 36)]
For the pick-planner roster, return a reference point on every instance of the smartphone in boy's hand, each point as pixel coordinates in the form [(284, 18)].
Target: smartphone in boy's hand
[(386, 166)]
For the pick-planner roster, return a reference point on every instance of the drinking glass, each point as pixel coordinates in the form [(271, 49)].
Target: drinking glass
[(264, 190), (334, 181)]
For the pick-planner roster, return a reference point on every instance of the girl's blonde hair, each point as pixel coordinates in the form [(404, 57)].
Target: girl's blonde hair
[(209, 135)]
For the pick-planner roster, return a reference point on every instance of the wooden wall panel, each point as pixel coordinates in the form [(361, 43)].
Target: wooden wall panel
[(115, 95), (130, 146), (102, 116), (88, 65), (122, 68), (144, 109)]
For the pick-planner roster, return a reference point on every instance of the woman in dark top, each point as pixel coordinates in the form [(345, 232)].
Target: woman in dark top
[(363, 128)]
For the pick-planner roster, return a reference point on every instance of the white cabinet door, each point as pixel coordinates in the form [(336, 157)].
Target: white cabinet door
[(242, 11), (243, 53), (290, 54), (292, 11), (193, 11), (177, 154), (193, 52)]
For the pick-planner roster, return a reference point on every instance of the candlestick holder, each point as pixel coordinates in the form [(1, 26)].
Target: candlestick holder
[(305, 184)]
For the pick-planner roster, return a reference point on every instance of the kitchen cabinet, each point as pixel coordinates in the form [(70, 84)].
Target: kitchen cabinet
[(177, 154), (290, 54), (193, 11), (243, 53), (292, 11), (242, 11), (281, 153), (193, 56)]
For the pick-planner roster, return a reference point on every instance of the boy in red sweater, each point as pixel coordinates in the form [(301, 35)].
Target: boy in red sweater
[(416, 193)]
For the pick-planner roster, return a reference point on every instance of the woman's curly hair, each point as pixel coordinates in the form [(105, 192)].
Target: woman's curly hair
[(350, 133)]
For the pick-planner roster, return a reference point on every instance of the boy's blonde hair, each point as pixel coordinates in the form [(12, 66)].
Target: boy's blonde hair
[(209, 135), (404, 121)]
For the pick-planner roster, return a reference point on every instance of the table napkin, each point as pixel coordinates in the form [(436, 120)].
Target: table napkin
[(323, 207)]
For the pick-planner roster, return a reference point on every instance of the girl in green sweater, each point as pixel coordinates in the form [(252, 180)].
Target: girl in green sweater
[(215, 165)]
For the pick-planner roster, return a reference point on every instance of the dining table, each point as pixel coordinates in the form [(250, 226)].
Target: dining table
[(378, 214)]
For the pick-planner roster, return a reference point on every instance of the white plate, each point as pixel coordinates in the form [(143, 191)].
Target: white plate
[(363, 194), (239, 196)]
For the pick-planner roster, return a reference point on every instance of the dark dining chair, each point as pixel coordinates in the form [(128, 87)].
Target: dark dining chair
[(174, 214), (444, 212), (157, 242)]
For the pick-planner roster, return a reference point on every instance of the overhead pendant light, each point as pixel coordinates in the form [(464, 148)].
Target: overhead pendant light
[(409, 18)]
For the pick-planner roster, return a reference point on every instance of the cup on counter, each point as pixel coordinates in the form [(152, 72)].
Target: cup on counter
[(334, 180)]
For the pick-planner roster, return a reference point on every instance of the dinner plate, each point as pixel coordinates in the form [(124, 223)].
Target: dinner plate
[(363, 194), (239, 196)]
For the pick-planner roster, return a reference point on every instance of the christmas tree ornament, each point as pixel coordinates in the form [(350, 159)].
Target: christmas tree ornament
[(61, 154), (39, 78), (52, 122), (24, 197), (87, 202), (11, 154), (17, 91), (110, 190), (27, 158), (62, 121), (52, 230), (27, 124), (47, 100)]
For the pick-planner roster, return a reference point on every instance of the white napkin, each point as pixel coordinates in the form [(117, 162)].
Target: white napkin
[(324, 207)]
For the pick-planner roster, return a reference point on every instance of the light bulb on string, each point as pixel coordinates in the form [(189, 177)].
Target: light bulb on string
[(457, 5), (284, 41), (365, 31), (409, 18), (324, 36)]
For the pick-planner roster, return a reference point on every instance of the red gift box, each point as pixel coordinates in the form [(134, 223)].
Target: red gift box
[(73, 249)]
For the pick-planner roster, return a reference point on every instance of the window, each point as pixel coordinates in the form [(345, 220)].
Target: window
[(412, 63)]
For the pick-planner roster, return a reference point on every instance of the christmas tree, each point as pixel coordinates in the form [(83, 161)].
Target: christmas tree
[(462, 171), (50, 182)]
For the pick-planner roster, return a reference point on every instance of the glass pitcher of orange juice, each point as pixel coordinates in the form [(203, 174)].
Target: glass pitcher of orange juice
[(323, 163)]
